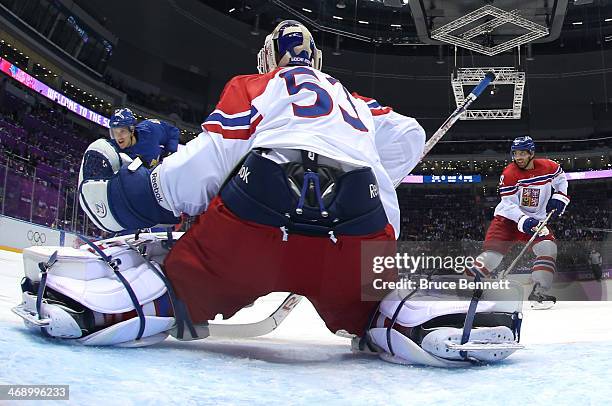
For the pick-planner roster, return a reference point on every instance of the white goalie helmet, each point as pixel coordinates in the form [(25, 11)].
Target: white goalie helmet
[(290, 44)]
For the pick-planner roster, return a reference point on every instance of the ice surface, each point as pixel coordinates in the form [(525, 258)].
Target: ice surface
[(567, 357)]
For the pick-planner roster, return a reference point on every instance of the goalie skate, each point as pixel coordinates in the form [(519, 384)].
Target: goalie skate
[(487, 344)]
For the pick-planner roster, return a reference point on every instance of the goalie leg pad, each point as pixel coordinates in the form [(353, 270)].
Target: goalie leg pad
[(123, 334), (60, 321), (82, 300), (430, 327)]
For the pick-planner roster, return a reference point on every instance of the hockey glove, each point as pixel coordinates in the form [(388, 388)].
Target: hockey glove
[(527, 225), (558, 202)]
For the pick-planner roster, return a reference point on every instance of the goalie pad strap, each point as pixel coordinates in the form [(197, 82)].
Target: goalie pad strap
[(43, 283), (394, 319), (125, 283), (39, 297), (517, 321), (181, 314), (469, 317)]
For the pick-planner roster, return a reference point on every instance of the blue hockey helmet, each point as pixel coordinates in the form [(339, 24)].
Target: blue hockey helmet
[(524, 143), (290, 44), (122, 118)]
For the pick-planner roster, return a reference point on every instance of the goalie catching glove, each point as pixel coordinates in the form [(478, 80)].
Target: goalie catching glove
[(119, 194)]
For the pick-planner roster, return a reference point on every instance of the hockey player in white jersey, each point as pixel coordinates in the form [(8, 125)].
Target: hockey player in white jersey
[(290, 176), (530, 188)]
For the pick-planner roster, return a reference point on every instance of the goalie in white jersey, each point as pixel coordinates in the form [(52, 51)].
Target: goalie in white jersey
[(292, 174), (530, 188)]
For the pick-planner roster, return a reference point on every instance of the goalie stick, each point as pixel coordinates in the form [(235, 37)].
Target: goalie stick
[(246, 330)]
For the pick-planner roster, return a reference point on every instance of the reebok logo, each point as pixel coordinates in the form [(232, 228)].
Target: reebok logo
[(244, 174), (373, 191), (156, 188)]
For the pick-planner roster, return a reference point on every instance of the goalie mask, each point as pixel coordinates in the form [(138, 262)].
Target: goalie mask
[(290, 44)]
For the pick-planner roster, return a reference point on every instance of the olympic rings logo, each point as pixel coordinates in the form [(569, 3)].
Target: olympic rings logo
[(36, 237)]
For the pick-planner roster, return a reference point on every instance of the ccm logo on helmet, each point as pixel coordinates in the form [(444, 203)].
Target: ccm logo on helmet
[(36, 237)]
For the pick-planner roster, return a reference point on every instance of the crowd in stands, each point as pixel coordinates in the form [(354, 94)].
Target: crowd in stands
[(40, 152), (459, 214), (432, 215), (492, 168), (41, 136)]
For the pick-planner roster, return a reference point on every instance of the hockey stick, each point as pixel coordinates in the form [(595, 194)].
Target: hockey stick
[(259, 328), (455, 115), (531, 240), (477, 91), (246, 330)]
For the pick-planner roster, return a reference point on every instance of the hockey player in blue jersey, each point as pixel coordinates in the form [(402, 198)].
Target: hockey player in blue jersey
[(151, 140)]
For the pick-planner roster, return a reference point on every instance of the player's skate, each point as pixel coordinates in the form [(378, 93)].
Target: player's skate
[(539, 299)]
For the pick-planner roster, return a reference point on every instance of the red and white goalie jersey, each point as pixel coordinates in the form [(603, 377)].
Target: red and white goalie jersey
[(527, 191), (288, 109)]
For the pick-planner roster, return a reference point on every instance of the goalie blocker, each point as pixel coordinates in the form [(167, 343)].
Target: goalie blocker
[(76, 295)]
